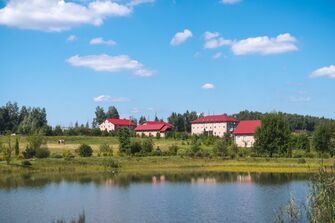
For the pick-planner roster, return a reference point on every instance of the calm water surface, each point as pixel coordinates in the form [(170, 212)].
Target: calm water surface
[(205, 197)]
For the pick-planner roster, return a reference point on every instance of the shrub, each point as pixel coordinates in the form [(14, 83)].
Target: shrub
[(173, 149), (158, 136), (182, 152), (233, 151), (298, 153), (57, 156), (135, 147), (147, 145), (301, 160), (220, 148), (29, 153), (26, 163), (106, 150), (112, 164), (68, 155), (42, 153), (85, 150), (310, 155), (244, 152)]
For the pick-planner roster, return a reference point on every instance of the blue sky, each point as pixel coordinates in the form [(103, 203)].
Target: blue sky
[(147, 57)]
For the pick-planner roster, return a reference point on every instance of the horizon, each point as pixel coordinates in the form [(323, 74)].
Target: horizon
[(152, 57)]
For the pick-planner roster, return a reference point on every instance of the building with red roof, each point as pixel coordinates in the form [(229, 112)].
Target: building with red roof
[(151, 128), (217, 125), (112, 124), (244, 133)]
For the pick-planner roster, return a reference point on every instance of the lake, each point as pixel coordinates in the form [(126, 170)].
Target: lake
[(179, 197)]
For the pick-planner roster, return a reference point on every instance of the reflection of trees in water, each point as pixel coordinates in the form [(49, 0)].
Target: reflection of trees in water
[(125, 179)]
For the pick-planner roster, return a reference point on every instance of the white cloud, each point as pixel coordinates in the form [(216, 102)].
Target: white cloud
[(106, 63), (265, 45), (138, 2), (210, 35), (217, 55), (299, 99), (107, 98), (101, 41), (181, 37), (71, 38), (213, 40), (328, 72), (230, 2), (208, 86), (58, 15)]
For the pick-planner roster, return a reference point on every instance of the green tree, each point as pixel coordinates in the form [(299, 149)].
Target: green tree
[(58, 131), (124, 139), (142, 120), (221, 148), (7, 150), (147, 145), (85, 150), (17, 146), (112, 112), (100, 116), (323, 138), (273, 136), (135, 147)]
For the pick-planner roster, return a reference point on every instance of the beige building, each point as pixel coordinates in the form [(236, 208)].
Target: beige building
[(217, 125), (112, 124), (153, 129), (244, 134)]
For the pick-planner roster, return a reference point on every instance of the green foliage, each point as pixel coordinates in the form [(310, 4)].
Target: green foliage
[(36, 140), (112, 164), (147, 145), (112, 112), (221, 148), (7, 150), (58, 131), (124, 139), (17, 146), (324, 137), (85, 150), (182, 122), (142, 120), (135, 147), (26, 163), (273, 136), (68, 155), (106, 149), (232, 151), (42, 153), (173, 149), (29, 153), (100, 116)]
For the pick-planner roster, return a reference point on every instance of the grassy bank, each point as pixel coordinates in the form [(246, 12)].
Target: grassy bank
[(165, 164)]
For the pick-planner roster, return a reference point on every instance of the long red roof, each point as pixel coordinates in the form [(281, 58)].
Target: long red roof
[(214, 118), (247, 127), (154, 126), (121, 122)]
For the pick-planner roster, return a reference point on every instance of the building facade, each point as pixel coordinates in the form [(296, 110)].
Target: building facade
[(244, 134), (216, 125), (113, 124), (153, 129)]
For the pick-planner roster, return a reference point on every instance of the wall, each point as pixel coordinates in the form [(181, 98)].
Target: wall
[(107, 126), (150, 133), (244, 140), (219, 129)]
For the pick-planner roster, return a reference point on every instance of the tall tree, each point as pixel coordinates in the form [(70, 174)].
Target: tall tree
[(112, 112), (273, 136), (324, 137), (100, 116), (142, 120)]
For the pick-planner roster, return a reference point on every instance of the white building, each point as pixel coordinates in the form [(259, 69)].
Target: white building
[(217, 125), (112, 124), (244, 134)]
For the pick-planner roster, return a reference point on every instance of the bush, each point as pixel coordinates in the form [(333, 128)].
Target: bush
[(182, 152), (220, 148), (85, 150), (68, 155), (244, 152), (106, 150), (147, 145), (112, 164), (298, 153), (173, 150), (57, 156), (301, 160), (29, 153), (42, 153), (233, 151), (25, 163), (135, 147)]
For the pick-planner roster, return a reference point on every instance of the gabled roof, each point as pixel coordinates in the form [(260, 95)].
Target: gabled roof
[(121, 122), (214, 118), (154, 126), (247, 127)]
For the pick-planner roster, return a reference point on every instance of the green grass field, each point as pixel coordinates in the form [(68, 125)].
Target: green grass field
[(95, 164)]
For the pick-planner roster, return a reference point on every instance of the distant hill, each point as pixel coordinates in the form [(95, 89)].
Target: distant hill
[(296, 122)]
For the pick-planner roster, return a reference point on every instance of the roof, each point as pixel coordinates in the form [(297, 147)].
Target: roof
[(154, 126), (247, 127), (214, 118), (121, 122)]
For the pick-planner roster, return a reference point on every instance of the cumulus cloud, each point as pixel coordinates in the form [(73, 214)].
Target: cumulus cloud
[(71, 38), (328, 72), (263, 45), (138, 2), (230, 2), (107, 98), (181, 37), (101, 41), (217, 55), (106, 63), (208, 86), (58, 15)]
